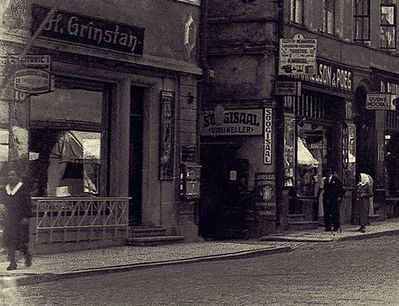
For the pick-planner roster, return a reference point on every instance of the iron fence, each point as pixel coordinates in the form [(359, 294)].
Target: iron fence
[(80, 218)]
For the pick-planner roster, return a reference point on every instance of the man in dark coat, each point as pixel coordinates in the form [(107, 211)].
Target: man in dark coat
[(16, 199), (332, 196)]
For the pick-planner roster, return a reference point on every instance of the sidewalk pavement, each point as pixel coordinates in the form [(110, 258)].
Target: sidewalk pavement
[(127, 258), (348, 232)]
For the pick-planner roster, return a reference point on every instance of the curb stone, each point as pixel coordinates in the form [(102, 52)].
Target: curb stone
[(363, 236), (30, 279)]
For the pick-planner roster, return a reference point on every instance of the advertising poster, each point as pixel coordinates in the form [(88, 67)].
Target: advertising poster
[(265, 196), (166, 135), (289, 150)]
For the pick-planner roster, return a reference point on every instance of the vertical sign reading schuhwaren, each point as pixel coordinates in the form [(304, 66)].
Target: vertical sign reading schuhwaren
[(166, 150), (89, 31), (267, 146)]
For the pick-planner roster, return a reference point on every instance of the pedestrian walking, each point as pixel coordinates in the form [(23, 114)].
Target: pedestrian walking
[(364, 192), (15, 197), (332, 197)]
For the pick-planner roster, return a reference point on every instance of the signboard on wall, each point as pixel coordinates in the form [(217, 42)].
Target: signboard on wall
[(236, 122), (289, 150), (30, 74), (166, 136), (379, 101), (265, 195), (287, 88), (297, 56), (268, 137), (89, 31), (330, 76)]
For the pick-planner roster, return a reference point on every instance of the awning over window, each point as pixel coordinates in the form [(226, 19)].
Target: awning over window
[(304, 157)]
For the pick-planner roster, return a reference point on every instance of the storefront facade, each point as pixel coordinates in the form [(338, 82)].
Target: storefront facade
[(324, 124), (120, 119), (319, 135)]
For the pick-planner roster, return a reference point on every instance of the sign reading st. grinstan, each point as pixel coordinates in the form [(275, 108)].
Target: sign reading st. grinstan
[(89, 31)]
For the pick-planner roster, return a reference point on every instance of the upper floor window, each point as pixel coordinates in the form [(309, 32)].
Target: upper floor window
[(388, 25), (362, 20), (297, 11), (329, 16)]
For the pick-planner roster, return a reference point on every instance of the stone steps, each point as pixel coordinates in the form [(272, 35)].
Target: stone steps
[(151, 236), (153, 240), (302, 225)]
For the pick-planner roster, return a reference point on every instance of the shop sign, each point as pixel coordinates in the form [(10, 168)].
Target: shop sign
[(89, 31), (379, 101), (166, 143), (297, 56), (288, 88), (265, 195), (331, 76), (267, 137), (31, 74), (32, 81), (235, 122)]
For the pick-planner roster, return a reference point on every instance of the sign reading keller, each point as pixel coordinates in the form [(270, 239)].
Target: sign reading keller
[(89, 31)]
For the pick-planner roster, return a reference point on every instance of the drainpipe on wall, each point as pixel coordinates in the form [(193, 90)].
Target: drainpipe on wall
[(203, 53), (281, 199)]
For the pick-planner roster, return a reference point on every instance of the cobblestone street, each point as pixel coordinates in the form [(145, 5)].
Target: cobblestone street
[(360, 272)]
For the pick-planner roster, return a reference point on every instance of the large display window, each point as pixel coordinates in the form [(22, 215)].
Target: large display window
[(68, 139)]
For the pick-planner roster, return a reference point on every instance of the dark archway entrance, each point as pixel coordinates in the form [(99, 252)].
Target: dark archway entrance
[(224, 192)]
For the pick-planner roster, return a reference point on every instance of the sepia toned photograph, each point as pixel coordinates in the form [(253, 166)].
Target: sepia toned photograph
[(199, 152)]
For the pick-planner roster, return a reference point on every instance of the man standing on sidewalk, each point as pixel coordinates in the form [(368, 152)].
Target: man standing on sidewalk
[(16, 199), (332, 197)]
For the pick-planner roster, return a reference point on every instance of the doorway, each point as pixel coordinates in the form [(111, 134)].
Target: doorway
[(224, 194), (136, 155)]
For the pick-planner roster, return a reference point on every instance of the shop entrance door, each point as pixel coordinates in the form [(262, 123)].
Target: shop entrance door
[(224, 197), (136, 155)]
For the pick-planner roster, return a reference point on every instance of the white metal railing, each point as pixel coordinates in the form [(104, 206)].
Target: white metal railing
[(77, 216)]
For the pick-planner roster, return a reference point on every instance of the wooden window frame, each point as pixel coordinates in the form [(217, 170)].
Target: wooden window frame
[(294, 10), (325, 28), (390, 26), (363, 15)]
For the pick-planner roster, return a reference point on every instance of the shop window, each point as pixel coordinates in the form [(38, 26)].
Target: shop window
[(392, 163), (310, 154), (4, 149), (329, 17), (388, 25), (297, 11), (68, 140), (362, 20)]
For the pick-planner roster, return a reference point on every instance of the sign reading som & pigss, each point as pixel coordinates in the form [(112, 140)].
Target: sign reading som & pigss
[(89, 31), (235, 122)]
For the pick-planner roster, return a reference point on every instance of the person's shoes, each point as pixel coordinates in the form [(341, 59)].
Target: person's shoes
[(335, 229), (327, 230), (12, 266), (362, 229), (28, 260)]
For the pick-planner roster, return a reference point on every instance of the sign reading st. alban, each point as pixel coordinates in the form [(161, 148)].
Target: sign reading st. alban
[(89, 31)]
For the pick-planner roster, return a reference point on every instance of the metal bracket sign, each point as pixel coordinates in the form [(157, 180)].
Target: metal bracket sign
[(287, 88), (32, 75), (297, 56), (380, 101)]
